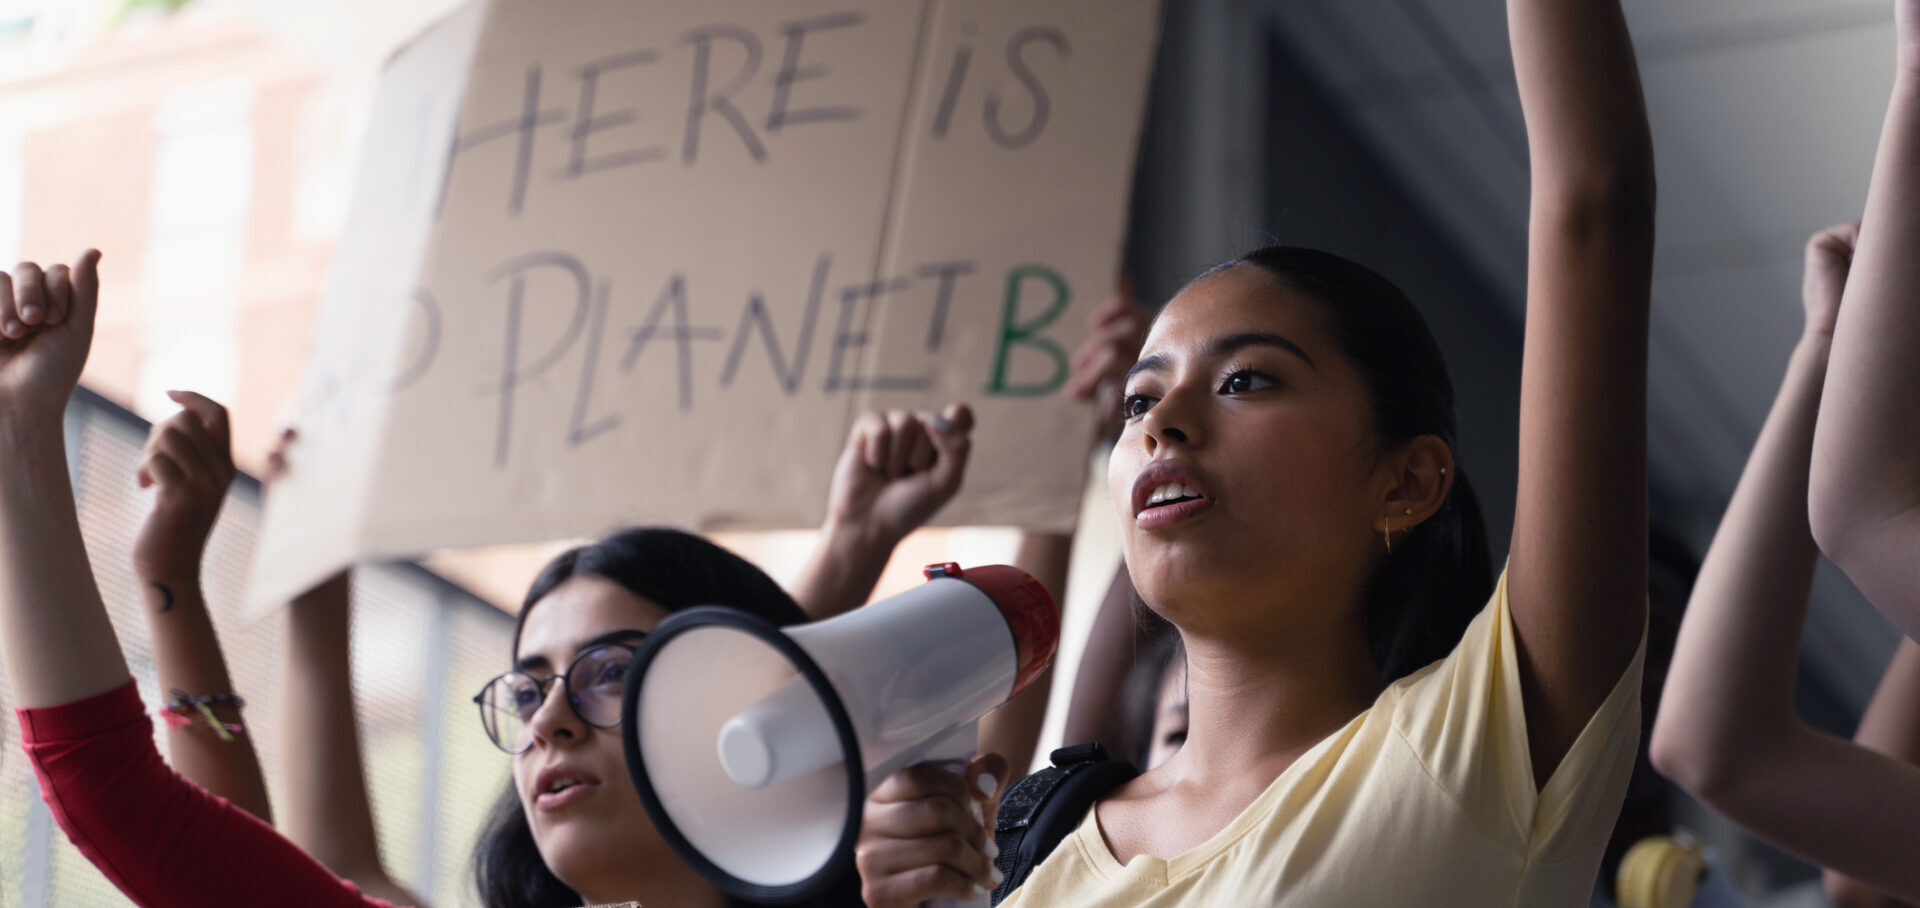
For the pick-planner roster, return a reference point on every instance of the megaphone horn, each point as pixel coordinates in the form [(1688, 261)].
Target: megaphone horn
[(754, 747)]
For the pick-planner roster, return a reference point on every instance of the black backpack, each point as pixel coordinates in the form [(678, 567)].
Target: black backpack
[(1041, 809)]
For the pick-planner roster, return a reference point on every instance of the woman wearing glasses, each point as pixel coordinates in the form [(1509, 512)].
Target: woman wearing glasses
[(570, 828)]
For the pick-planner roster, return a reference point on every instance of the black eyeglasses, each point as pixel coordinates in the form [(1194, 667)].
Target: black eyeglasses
[(595, 682)]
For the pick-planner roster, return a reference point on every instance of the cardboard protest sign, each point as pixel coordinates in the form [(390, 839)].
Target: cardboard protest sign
[(612, 263)]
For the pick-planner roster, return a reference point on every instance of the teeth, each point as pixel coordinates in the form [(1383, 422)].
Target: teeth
[(561, 784), (1172, 491)]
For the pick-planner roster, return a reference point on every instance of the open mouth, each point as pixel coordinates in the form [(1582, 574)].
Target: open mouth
[(1166, 493), (558, 788), (1168, 500), (561, 793)]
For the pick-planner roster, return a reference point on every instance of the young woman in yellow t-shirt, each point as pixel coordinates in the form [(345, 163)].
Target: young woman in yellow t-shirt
[(1289, 499)]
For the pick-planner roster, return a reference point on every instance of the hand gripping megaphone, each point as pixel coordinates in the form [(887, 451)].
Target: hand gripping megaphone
[(754, 747)]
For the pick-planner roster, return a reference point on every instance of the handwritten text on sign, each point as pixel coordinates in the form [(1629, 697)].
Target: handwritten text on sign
[(1035, 297), (644, 262)]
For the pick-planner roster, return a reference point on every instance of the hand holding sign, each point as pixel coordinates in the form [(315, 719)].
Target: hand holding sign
[(1100, 364)]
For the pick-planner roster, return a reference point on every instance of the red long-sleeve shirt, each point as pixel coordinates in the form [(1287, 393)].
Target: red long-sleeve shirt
[(164, 841)]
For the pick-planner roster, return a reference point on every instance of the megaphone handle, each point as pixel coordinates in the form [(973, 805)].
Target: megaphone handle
[(959, 745)]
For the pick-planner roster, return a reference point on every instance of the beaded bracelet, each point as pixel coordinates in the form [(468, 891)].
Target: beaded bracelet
[(181, 710)]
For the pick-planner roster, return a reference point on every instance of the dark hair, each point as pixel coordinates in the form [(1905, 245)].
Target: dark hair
[(1431, 586), (674, 570)]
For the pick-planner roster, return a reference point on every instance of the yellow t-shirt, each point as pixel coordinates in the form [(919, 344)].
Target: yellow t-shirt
[(1427, 798)]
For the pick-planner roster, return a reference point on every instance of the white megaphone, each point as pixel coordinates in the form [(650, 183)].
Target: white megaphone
[(754, 747)]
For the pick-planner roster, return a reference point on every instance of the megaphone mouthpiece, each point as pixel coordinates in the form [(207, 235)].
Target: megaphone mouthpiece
[(786, 735)]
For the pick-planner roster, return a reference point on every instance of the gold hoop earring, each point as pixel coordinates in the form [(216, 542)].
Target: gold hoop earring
[(1388, 533)]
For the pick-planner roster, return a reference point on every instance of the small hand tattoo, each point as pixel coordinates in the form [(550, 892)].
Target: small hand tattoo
[(165, 594)]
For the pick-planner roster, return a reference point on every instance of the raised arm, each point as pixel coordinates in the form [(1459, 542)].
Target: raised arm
[(55, 639), (327, 809), (189, 463), (897, 470), (1727, 731), (1892, 727), (162, 840), (1865, 496), (1094, 713), (1577, 576)]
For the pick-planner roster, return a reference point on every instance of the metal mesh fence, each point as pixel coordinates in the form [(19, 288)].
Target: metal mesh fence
[(420, 646)]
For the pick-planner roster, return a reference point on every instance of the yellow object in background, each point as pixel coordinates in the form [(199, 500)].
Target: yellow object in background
[(1661, 872)]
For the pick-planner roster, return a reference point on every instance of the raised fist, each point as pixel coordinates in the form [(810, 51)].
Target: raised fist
[(46, 328), (189, 460), (898, 469), (1829, 257)]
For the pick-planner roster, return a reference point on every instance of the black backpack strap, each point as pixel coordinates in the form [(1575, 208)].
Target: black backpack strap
[(1041, 809)]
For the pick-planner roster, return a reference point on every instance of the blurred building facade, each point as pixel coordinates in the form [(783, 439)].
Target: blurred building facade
[(208, 161)]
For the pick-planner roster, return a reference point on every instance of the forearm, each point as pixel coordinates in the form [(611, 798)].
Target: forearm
[(1891, 726), (1046, 556), (1013, 730), (1865, 497), (1094, 712), (1589, 143), (327, 810), (55, 638), (1892, 722), (1729, 697), (1846, 892), (188, 658), (846, 565)]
